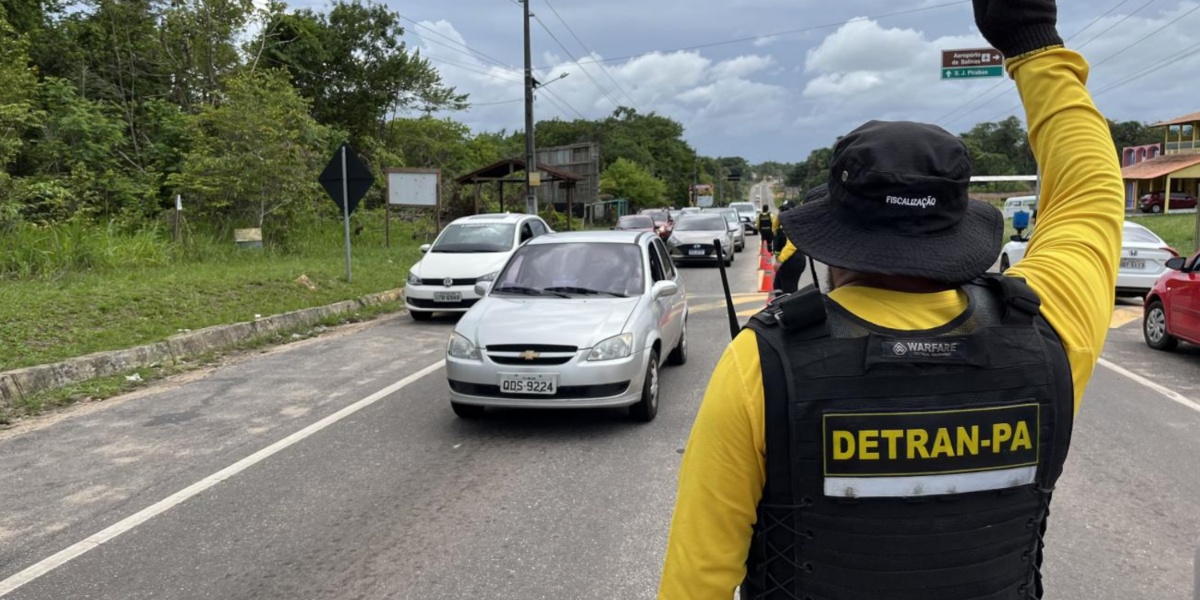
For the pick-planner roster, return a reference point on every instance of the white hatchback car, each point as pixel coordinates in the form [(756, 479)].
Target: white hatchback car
[(468, 250), (574, 320), (1144, 258)]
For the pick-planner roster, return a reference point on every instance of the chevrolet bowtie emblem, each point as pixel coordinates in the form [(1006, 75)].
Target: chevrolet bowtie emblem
[(530, 355)]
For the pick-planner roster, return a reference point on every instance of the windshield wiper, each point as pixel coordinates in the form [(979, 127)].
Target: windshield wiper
[(528, 291), (584, 291)]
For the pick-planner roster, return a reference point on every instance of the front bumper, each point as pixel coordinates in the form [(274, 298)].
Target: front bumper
[(420, 298), (682, 253), (1139, 283), (581, 384)]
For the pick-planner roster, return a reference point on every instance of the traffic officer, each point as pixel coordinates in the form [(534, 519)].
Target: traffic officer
[(765, 224), (901, 437), (779, 236)]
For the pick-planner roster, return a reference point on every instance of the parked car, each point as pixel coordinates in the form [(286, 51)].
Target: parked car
[(549, 334), (1172, 309), (1153, 202), (748, 214), (734, 221), (1144, 258), (467, 251), (1020, 203), (663, 223), (636, 223), (694, 235)]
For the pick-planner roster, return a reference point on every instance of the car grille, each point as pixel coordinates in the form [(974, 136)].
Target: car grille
[(442, 282), (430, 304), (533, 347), (517, 360), (567, 392)]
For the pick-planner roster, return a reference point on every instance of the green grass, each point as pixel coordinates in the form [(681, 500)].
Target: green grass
[(1177, 230), (63, 309)]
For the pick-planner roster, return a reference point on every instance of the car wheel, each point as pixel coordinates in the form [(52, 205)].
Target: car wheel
[(467, 411), (420, 315), (1154, 328), (647, 408), (679, 355), (1156, 209), (1004, 264)]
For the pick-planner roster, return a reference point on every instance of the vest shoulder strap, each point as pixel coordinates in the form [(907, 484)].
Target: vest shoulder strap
[(1020, 305)]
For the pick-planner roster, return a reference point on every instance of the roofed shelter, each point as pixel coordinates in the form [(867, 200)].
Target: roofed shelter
[(1177, 169), (505, 172)]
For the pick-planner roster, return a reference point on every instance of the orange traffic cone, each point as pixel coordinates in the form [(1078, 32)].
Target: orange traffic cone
[(767, 281)]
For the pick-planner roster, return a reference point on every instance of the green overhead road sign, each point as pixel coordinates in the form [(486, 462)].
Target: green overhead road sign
[(972, 72), (977, 63)]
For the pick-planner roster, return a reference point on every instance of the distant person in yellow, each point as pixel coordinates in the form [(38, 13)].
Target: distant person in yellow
[(900, 438)]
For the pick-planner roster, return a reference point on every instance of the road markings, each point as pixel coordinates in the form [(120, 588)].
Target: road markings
[(1124, 315), (125, 525), (721, 305), (1169, 393)]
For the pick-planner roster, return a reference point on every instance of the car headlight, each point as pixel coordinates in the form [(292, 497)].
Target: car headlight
[(620, 346), (413, 279), (489, 277), (461, 347)]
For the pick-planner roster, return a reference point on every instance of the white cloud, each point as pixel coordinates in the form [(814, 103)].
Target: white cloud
[(741, 67)]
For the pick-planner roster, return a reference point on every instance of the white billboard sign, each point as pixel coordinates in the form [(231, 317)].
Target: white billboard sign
[(413, 187)]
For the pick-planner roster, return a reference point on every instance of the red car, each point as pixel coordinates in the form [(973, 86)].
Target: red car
[(1153, 202), (662, 221), (636, 223), (1172, 310)]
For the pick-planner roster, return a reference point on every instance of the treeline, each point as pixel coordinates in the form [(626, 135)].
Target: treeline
[(1000, 148)]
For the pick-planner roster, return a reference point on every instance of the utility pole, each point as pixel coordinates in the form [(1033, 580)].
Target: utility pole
[(695, 183), (531, 171)]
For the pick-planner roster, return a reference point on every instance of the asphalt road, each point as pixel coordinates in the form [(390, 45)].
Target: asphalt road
[(334, 468)]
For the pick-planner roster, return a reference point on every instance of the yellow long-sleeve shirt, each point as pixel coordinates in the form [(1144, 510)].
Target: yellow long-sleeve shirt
[(1071, 262)]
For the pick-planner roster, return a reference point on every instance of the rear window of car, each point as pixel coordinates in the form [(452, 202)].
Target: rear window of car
[(635, 222), (1133, 233), (475, 237)]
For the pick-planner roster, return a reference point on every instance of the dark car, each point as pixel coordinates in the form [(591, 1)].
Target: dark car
[(1172, 310), (636, 223), (663, 223), (1153, 202)]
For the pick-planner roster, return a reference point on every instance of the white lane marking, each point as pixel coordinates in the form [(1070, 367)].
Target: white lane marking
[(1169, 393), (63, 557)]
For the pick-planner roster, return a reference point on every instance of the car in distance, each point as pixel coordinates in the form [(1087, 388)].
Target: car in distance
[(693, 238), (636, 223), (748, 215), (467, 251), (1153, 202), (1144, 258), (1172, 309), (550, 333), (734, 221), (663, 223)]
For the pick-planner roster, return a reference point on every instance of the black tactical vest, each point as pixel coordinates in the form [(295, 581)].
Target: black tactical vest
[(908, 465), (764, 221)]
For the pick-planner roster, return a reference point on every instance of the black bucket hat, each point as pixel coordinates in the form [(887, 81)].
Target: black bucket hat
[(897, 205)]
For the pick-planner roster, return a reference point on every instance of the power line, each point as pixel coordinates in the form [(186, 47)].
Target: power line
[(590, 53), (1147, 36), (471, 69), (474, 104), (576, 61), (568, 104), (786, 32), (1178, 56), (473, 51), (1114, 25), (971, 102)]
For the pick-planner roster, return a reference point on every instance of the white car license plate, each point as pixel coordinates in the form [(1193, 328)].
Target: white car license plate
[(447, 296), (700, 253), (525, 383), (1133, 263)]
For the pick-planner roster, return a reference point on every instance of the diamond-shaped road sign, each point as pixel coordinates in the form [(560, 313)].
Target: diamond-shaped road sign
[(358, 178)]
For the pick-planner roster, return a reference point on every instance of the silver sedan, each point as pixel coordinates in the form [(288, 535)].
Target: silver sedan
[(692, 239), (574, 320)]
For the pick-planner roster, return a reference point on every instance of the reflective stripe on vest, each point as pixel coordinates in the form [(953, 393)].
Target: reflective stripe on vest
[(909, 465)]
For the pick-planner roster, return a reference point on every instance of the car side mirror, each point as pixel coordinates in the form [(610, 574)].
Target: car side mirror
[(1177, 263), (482, 288), (662, 289), (425, 248)]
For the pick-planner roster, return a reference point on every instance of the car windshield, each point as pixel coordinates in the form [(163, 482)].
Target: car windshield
[(635, 222), (475, 237), (1136, 234), (701, 223), (578, 269), (742, 207)]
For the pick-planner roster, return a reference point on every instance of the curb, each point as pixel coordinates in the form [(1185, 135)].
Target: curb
[(27, 381)]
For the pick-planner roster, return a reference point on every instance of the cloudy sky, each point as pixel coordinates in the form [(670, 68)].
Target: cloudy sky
[(773, 79)]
